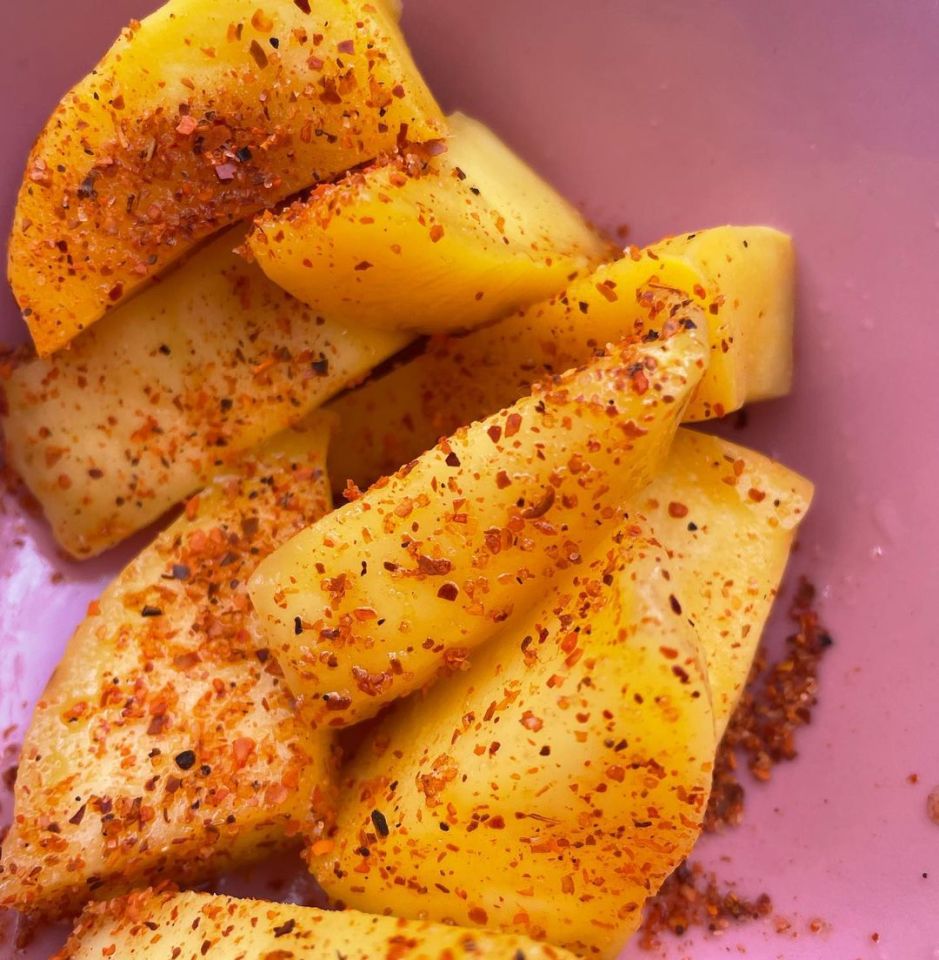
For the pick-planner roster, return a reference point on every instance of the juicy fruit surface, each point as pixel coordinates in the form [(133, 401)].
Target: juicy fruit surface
[(570, 764), (392, 419), (373, 601), (166, 744), (169, 926), (168, 391), (198, 117), (749, 277), (724, 519), (429, 240)]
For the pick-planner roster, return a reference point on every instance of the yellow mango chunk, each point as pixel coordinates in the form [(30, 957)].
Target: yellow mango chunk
[(376, 599), (166, 745), (199, 116), (749, 281), (552, 786), (725, 518), (152, 925), (168, 391), (430, 241), (392, 419)]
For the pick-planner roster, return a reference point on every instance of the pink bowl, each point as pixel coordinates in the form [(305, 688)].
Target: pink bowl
[(820, 118)]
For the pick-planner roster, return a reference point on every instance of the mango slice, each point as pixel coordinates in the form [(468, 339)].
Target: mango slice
[(198, 117)]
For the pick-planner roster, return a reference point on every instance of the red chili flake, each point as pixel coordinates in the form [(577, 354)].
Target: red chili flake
[(39, 172), (262, 22), (932, 806), (242, 749), (513, 424), (452, 460), (690, 898), (478, 915), (448, 591), (285, 928), (495, 433), (303, 5), (606, 289), (503, 480), (116, 292), (432, 567), (258, 54), (530, 722), (187, 126), (363, 265), (436, 232), (677, 510), (398, 91), (756, 495), (346, 46), (540, 508)]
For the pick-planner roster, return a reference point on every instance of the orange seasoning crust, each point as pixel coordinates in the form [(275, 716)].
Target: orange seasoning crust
[(160, 924), (372, 602), (166, 744), (559, 777), (169, 390), (198, 117)]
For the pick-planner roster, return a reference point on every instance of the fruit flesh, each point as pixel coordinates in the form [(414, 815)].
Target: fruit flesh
[(430, 242), (372, 602), (569, 762), (723, 519), (503, 756), (390, 420), (154, 925), (199, 116), (166, 745), (169, 390)]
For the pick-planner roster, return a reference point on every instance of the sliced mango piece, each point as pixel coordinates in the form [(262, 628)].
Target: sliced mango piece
[(153, 925), (551, 787), (166, 745), (199, 116), (380, 596), (168, 391), (390, 420), (725, 518), (430, 242), (749, 281)]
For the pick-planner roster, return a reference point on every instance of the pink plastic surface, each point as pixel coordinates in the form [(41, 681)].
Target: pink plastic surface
[(821, 118)]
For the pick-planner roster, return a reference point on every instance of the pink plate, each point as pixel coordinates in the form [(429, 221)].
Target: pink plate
[(821, 118)]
